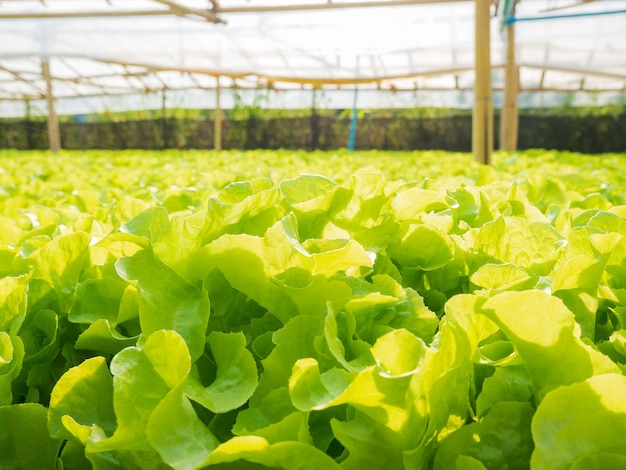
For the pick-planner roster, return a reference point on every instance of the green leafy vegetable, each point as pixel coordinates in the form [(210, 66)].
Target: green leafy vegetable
[(567, 434), (24, 438), (415, 311)]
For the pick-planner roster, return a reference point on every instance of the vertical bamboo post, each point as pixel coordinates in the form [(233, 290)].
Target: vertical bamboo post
[(54, 134), (482, 117), (314, 119), (217, 132), (352, 136), (29, 127), (164, 129), (509, 117)]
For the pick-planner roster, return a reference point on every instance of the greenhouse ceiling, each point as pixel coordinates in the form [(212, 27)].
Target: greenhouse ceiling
[(94, 48)]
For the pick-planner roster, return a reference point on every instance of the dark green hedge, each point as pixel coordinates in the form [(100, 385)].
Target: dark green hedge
[(574, 131)]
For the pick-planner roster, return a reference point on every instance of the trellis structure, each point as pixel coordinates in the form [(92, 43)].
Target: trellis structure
[(59, 49)]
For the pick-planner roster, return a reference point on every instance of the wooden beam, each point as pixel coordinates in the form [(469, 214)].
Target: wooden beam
[(542, 79), (217, 134), (509, 117), (313, 81), (54, 135), (580, 71), (176, 8), (84, 14), (399, 89), (328, 6), (183, 10), (482, 116), (20, 77), (318, 81), (161, 68), (563, 7)]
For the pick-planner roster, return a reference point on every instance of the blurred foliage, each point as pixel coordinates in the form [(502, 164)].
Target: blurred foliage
[(581, 129)]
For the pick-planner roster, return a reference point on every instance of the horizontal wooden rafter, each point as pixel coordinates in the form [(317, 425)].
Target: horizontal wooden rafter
[(83, 14), (579, 71), (12, 97), (183, 10), (141, 71), (212, 15), (295, 6)]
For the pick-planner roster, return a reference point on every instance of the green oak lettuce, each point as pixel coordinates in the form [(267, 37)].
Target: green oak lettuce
[(224, 310)]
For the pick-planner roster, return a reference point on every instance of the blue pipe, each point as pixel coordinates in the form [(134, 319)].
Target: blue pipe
[(353, 121), (513, 19), (507, 9)]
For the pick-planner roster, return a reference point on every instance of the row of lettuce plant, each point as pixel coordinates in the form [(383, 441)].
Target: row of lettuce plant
[(374, 323)]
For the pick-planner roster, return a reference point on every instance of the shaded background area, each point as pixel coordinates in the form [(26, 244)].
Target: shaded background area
[(573, 129)]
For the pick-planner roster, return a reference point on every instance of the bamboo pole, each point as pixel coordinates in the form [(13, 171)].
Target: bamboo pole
[(314, 120), (217, 134), (183, 10), (353, 121), (482, 117), (299, 6), (509, 117), (319, 81), (316, 82), (581, 70), (84, 14), (164, 129), (54, 135)]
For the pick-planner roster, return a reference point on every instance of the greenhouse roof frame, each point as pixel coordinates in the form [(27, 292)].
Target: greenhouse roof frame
[(275, 44), (55, 50)]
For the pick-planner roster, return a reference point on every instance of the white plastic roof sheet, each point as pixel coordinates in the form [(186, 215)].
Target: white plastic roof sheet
[(181, 46)]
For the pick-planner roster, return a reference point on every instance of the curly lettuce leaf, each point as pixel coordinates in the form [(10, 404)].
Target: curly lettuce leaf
[(568, 434), (24, 439)]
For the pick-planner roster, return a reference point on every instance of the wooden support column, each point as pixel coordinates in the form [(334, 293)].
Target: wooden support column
[(164, 129), (54, 135), (217, 133), (315, 120), (482, 117), (509, 116)]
